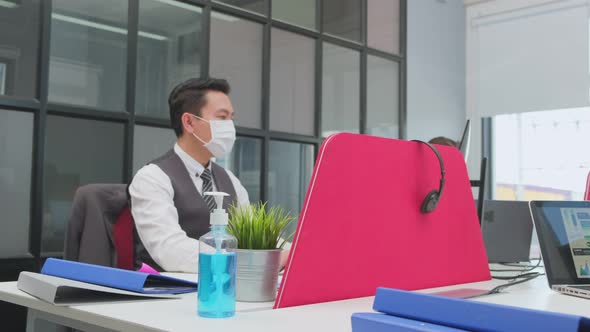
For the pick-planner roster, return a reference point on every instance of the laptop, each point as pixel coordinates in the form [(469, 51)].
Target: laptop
[(507, 230), (563, 228)]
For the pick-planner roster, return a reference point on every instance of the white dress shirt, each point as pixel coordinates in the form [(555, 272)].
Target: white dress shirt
[(156, 217)]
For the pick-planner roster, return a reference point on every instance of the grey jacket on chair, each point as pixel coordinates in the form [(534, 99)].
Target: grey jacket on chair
[(95, 209)]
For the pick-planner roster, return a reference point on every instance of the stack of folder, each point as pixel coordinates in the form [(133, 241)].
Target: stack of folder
[(408, 311), (63, 282)]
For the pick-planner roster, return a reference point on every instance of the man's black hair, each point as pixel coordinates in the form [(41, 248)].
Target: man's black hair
[(190, 96)]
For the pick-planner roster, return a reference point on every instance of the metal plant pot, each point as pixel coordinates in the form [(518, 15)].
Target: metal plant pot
[(257, 274)]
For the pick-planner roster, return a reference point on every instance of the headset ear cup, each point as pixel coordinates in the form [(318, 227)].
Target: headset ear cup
[(430, 202)]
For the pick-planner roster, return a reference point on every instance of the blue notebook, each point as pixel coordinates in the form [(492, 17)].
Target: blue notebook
[(117, 278), (473, 315), (372, 322)]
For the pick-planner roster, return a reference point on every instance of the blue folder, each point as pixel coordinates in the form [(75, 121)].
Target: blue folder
[(372, 322), (472, 315), (117, 278)]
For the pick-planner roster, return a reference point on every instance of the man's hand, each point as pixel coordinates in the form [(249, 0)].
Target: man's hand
[(283, 259)]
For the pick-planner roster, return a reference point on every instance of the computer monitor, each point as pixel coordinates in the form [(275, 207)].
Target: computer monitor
[(507, 229), (465, 140)]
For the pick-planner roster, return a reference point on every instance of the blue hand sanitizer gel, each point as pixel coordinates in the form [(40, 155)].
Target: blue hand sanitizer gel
[(217, 266)]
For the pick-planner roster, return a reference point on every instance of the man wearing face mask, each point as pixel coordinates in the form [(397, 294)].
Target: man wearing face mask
[(167, 205)]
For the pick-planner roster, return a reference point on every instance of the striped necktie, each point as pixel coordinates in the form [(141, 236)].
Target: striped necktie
[(208, 186)]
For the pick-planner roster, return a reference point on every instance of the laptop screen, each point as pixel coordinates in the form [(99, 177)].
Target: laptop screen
[(564, 234)]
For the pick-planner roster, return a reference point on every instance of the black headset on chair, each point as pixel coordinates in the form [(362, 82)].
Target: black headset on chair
[(432, 198)]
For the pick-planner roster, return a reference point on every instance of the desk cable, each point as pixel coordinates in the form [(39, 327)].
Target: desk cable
[(498, 289), (525, 275), (526, 268), (522, 275), (522, 265)]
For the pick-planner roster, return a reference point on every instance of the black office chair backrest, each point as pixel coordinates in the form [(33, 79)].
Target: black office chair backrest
[(481, 185)]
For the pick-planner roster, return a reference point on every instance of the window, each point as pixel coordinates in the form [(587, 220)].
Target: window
[(300, 12), (382, 97), (89, 96), (258, 6), (88, 53), (292, 79), (3, 78), (340, 90), (540, 155), (290, 168), (150, 143), (236, 55), (16, 148), (19, 48), (245, 161), (342, 18), (383, 25), (77, 152), (169, 52)]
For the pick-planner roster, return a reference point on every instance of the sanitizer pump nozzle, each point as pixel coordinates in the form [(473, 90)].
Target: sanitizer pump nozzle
[(219, 215)]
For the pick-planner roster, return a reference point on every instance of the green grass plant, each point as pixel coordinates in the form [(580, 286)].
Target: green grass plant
[(259, 228)]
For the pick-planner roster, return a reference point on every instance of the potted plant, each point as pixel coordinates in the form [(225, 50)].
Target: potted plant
[(261, 238)]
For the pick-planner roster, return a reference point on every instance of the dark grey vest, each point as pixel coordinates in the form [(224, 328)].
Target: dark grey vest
[(193, 213)]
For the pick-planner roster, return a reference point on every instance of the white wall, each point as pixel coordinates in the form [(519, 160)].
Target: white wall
[(435, 68), (523, 56)]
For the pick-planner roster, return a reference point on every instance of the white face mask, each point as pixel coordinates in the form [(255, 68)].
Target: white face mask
[(223, 136)]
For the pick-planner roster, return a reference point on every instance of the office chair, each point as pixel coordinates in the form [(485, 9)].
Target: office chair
[(480, 184), (100, 228)]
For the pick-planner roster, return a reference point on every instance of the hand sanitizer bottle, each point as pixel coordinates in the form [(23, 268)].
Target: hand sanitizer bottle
[(217, 266)]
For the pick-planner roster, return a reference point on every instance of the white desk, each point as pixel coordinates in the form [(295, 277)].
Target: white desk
[(180, 314)]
